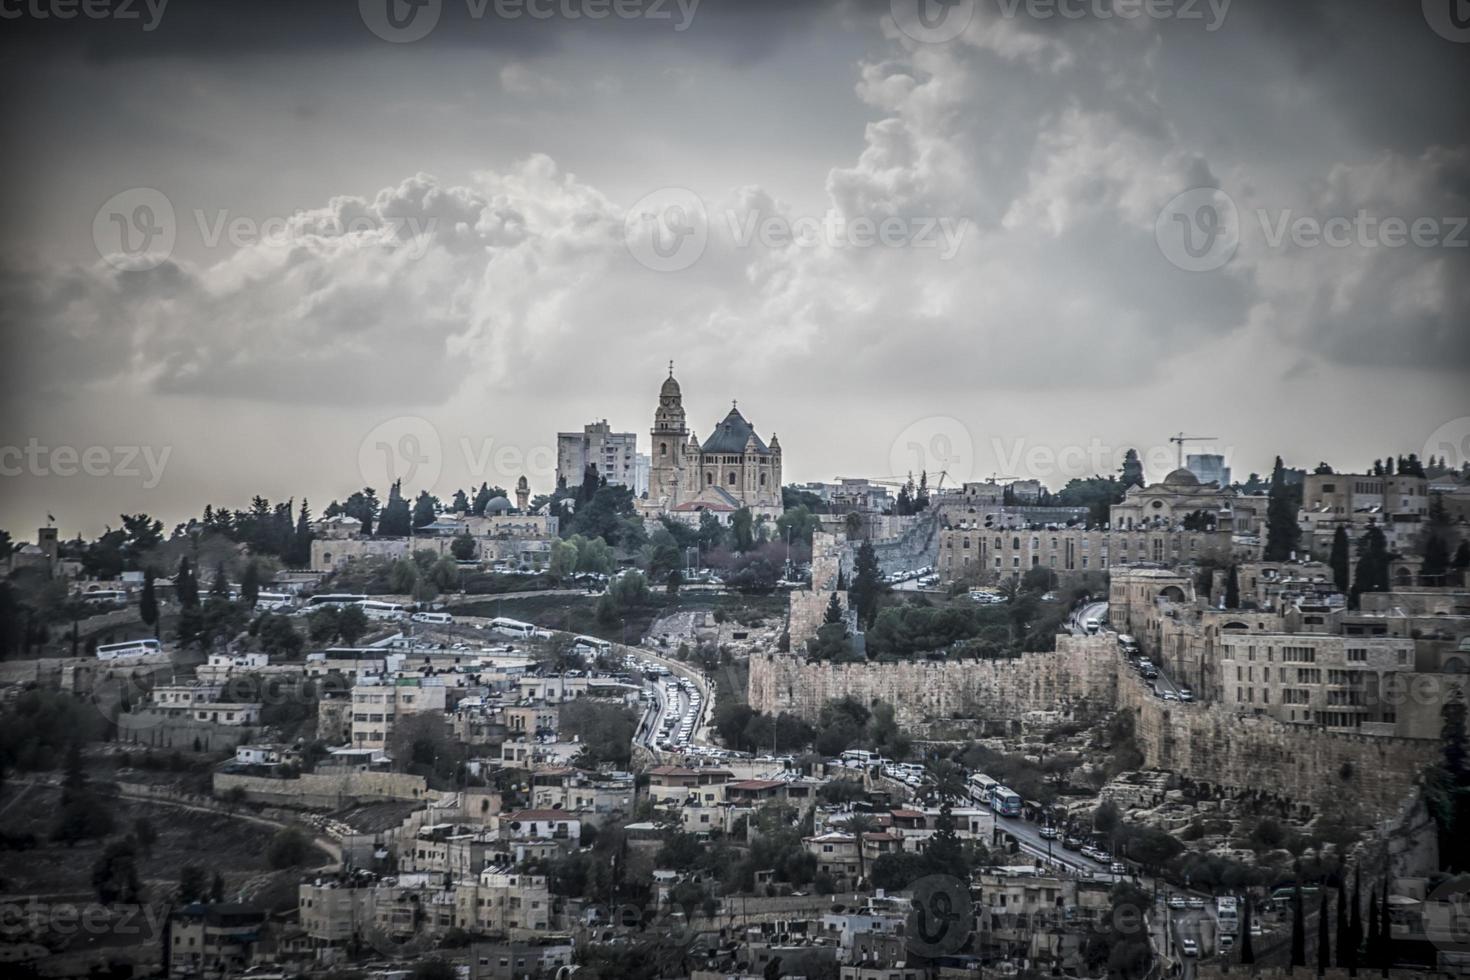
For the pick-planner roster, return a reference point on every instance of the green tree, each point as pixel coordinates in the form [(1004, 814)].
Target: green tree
[(1340, 559), (1371, 574), (1324, 939), (834, 613), (148, 604), (1132, 470), (322, 626), (191, 884), (867, 585), (186, 588), (145, 834), (115, 873), (289, 848), (1283, 533), (250, 583), (425, 509), (1232, 588), (1247, 948), (742, 529), (352, 623)]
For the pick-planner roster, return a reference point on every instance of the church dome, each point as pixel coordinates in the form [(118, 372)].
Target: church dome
[(1181, 478), (497, 505), (670, 388)]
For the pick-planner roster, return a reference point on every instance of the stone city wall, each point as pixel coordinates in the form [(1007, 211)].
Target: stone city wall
[(1208, 743), (1079, 675)]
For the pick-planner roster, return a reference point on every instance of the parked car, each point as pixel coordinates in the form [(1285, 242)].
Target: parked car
[(1177, 902), (1195, 902), (1189, 947), (1119, 868), (1049, 832), (1072, 843)]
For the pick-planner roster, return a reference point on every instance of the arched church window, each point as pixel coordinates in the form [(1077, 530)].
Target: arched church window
[(763, 479), (730, 479), (663, 449), (709, 479)]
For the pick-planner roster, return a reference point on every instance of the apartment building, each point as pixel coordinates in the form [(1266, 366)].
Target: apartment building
[(213, 940), (615, 454), (1396, 504), (977, 552), (1340, 682), (377, 703)]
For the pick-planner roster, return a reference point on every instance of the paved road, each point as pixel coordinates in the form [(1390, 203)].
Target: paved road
[(1092, 610)]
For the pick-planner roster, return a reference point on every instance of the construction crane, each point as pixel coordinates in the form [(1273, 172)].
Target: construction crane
[(1181, 439)]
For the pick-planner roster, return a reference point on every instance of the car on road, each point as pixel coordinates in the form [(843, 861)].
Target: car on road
[(1185, 694), (1118, 868), (1195, 902), (1048, 832), (1169, 696), (1227, 943), (1178, 902), (1189, 947), (1072, 843)]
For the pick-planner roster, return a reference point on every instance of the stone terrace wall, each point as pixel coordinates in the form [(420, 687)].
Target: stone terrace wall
[(314, 789), (1080, 674)]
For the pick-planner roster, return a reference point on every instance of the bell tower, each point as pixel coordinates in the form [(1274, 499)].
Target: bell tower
[(670, 444)]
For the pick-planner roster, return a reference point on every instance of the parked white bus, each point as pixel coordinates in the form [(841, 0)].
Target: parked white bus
[(512, 627), (592, 643), (382, 610), (335, 599), (131, 648), (106, 597), (273, 601), (437, 618), (980, 787)]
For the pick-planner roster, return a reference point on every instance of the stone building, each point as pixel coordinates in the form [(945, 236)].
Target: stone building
[(377, 707), (1356, 501), (615, 454), (733, 468), (1180, 497), (1335, 682), (988, 553)]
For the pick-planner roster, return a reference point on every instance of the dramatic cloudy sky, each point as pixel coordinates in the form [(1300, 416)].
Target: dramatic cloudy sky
[(271, 252)]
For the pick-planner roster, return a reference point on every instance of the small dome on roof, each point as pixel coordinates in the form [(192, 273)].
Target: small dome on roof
[(498, 505), (1181, 478)]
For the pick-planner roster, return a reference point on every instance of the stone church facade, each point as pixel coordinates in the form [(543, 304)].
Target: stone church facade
[(731, 469)]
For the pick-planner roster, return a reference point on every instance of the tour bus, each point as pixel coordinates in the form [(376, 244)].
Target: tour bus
[(272, 601), (858, 758), (1227, 912), (132, 648), (106, 597), (376, 609), (1006, 802), (335, 599), (980, 787), (592, 643), (512, 627), (436, 618)]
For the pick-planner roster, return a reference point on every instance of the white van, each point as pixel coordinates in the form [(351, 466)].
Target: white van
[(437, 618)]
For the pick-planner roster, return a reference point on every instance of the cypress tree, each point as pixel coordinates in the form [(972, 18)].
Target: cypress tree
[(1247, 951), (1324, 938), (1298, 929), (1355, 923), (1343, 933), (1385, 932), (148, 604), (1371, 959), (186, 588), (1341, 568), (1232, 589)]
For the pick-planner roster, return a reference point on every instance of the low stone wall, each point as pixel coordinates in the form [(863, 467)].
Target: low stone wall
[(326, 790)]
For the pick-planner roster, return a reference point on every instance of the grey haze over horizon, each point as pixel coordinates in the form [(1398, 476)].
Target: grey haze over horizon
[(487, 297)]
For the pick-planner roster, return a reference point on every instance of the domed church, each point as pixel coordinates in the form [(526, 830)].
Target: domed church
[(731, 469)]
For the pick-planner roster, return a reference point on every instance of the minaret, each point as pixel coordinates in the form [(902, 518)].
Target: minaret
[(523, 495), (775, 486)]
